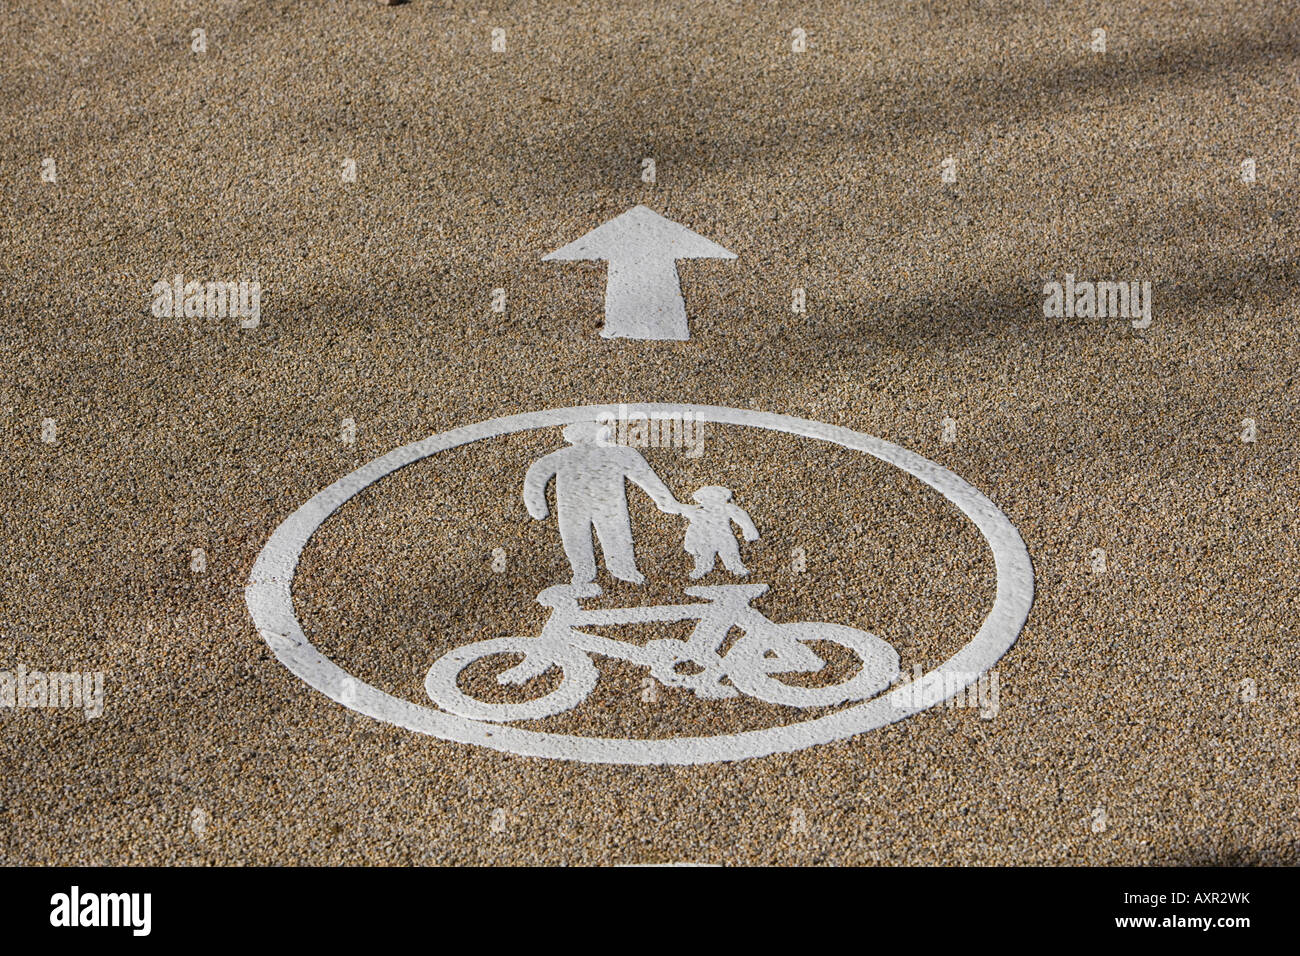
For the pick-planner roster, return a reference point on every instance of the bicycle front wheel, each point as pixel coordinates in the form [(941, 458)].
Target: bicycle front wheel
[(579, 677), (783, 648)]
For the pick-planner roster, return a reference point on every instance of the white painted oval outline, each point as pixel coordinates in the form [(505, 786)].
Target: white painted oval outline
[(270, 602)]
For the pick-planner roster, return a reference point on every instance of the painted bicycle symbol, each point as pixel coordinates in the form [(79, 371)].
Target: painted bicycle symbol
[(763, 650), (591, 496)]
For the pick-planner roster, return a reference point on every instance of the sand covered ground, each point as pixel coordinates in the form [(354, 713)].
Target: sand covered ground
[(1148, 712)]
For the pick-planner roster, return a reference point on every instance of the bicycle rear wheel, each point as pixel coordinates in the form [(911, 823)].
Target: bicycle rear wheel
[(579, 677)]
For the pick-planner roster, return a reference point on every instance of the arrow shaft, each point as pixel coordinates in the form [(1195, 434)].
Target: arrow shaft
[(643, 300)]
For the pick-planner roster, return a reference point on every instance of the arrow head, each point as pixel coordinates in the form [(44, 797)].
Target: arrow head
[(643, 298), (638, 235)]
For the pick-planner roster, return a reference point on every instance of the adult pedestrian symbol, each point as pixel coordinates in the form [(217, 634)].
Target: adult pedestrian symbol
[(724, 647), (643, 295)]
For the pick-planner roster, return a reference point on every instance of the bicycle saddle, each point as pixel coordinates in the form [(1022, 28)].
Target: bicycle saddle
[(727, 592)]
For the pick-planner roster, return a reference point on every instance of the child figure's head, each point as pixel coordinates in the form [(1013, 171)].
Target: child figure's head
[(712, 495)]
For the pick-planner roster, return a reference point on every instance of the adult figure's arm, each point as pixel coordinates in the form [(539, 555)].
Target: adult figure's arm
[(535, 482), (746, 523), (638, 470)]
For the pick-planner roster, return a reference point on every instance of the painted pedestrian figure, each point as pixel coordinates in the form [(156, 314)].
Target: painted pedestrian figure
[(591, 495), (709, 535)]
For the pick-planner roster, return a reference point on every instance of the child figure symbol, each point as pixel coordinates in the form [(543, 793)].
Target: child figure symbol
[(709, 535)]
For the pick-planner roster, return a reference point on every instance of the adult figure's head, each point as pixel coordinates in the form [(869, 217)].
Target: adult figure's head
[(588, 433)]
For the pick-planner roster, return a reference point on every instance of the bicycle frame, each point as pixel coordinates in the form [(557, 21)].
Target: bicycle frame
[(724, 607), (763, 649)]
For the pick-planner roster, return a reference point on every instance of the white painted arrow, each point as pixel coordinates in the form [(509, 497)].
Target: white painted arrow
[(643, 298)]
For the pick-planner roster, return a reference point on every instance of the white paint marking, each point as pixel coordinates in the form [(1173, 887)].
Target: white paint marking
[(764, 648), (643, 297), (271, 604)]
